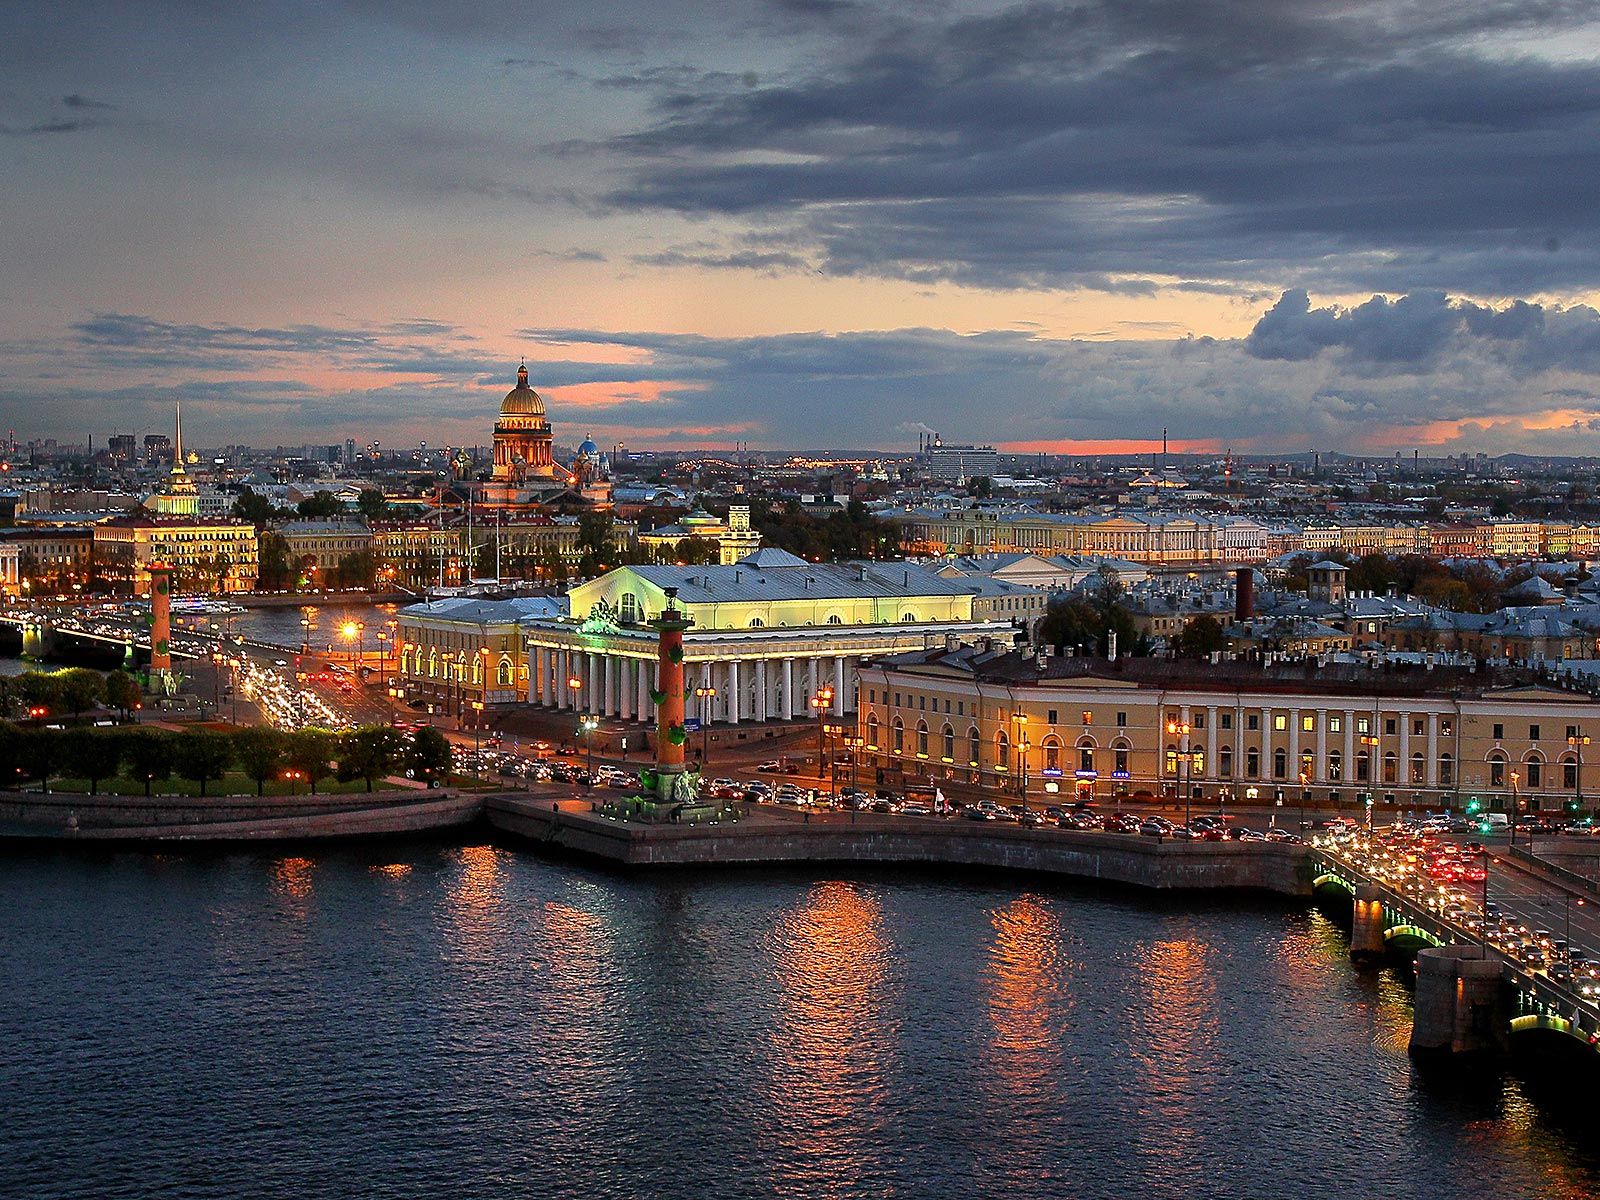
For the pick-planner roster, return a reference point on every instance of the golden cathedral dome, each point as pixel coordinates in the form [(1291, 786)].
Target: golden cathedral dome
[(522, 400)]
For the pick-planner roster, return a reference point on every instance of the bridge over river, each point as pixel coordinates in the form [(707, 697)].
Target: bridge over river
[(1483, 978)]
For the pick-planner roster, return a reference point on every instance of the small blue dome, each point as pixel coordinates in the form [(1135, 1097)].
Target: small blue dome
[(589, 449)]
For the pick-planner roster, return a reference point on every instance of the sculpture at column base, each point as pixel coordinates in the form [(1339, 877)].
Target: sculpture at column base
[(671, 788)]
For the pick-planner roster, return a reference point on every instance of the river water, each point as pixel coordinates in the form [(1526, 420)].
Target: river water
[(427, 1020)]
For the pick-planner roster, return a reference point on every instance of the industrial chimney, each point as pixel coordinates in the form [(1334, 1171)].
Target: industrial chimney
[(1244, 594)]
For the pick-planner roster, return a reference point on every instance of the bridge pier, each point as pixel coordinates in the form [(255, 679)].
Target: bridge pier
[(38, 639), (1367, 924), (1460, 1005)]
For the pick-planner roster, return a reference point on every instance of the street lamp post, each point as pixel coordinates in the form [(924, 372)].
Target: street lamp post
[(706, 695), (1371, 742), (821, 702), (587, 726), (1516, 803), (477, 729), (1578, 740), (1180, 730), (1305, 779)]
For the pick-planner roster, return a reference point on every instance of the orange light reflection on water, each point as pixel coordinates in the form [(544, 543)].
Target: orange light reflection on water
[(1180, 1040), (1024, 997), (833, 1037)]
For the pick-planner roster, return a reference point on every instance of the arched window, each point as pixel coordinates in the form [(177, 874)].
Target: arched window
[(1335, 766), (477, 669), (1447, 771), (1534, 769), (908, 616), (949, 744), (1363, 766), (1051, 748), (1002, 751), (1418, 769), (630, 613), (872, 731), (503, 674), (1252, 763), (757, 623), (1280, 763), (1119, 751), (1197, 761), (922, 739), (835, 619), (1497, 769), (1225, 762), (974, 745), (433, 663), (405, 661), (1569, 773), (897, 734), (1390, 767)]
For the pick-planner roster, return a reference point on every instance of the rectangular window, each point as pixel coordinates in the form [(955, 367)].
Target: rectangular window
[(1533, 733), (1363, 725), (897, 699), (1419, 727), (1572, 731), (1308, 724), (961, 708), (872, 696), (1122, 719), (922, 703), (1198, 721), (1226, 720), (1499, 732), (1447, 727), (1252, 721), (1389, 725), (1280, 722)]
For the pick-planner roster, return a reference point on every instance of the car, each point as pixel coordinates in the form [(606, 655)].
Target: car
[(1156, 827), (973, 812), (1033, 819), (772, 765), (915, 808), (1279, 834)]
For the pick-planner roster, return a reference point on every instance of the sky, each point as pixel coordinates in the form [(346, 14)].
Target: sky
[(1265, 225)]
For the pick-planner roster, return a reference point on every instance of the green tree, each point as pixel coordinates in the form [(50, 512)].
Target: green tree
[(260, 752), (372, 505), (40, 690), (358, 569), (982, 487), (10, 755), (274, 572), (39, 752), (81, 689), (92, 754), (123, 692), (202, 755), (369, 753), (696, 551), (252, 506), (1202, 637), (310, 752), (323, 504), (428, 756), (147, 755)]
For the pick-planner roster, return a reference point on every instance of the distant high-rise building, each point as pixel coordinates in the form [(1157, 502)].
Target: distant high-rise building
[(157, 447), (961, 462), (123, 446), (349, 452)]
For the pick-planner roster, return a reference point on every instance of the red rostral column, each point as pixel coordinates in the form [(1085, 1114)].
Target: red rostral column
[(671, 736), (160, 625)]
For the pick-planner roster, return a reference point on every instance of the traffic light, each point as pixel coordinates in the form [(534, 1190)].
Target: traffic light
[(1474, 806)]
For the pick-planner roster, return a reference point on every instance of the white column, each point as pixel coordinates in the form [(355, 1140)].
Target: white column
[(563, 673), (647, 682), (1431, 769), (733, 691), (1403, 771), (1212, 770), (612, 667), (787, 697), (1349, 747), (761, 690), (838, 686), (1321, 771), (591, 684), (1294, 743), (625, 688)]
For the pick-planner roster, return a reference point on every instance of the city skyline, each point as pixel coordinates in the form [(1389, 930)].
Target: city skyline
[(1050, 227)]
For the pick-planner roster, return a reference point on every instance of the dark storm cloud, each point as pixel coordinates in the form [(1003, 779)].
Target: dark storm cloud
[(1345, 145)]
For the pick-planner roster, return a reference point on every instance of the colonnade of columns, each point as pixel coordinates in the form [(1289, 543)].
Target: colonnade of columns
[(746, 689)]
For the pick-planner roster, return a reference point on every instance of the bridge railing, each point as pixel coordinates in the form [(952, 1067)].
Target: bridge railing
[(1556, 873)]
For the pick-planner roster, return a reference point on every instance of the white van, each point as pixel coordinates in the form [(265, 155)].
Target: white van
[(1494, 822)]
